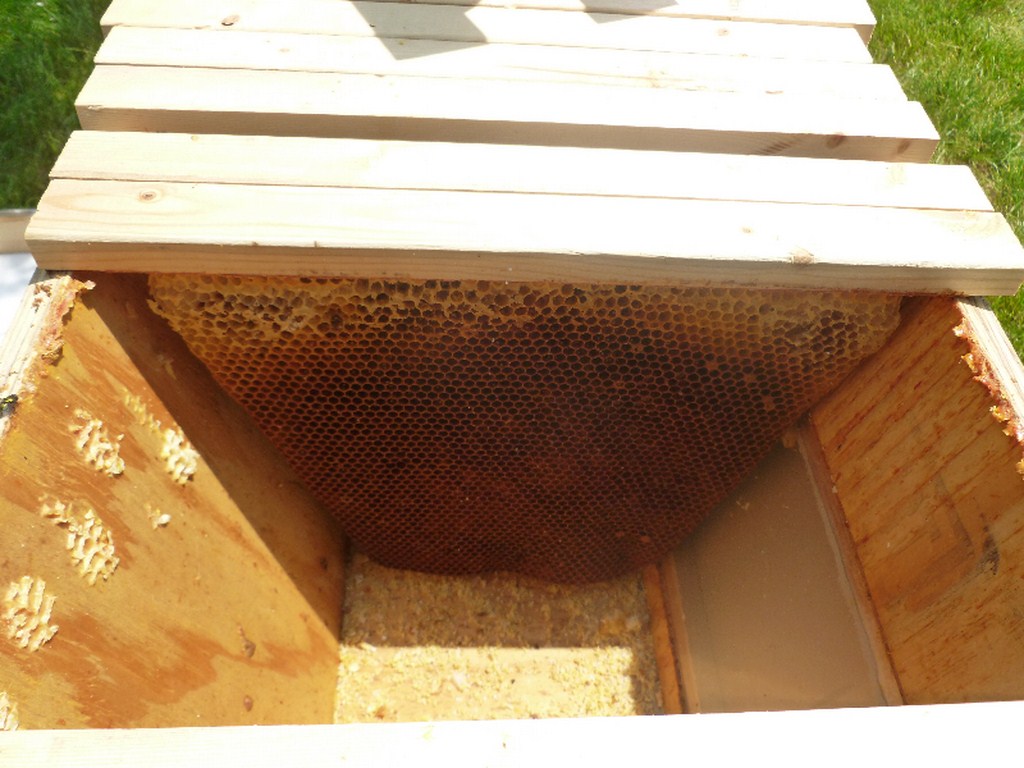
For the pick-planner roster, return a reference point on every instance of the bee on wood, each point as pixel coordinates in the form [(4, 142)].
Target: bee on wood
[(7, 405)]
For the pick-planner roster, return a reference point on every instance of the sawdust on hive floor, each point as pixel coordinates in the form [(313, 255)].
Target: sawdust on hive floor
[(425, 647)]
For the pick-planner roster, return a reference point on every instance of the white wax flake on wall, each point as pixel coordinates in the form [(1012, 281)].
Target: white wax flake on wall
[(181, 459), (27, 613), (89, 543), (157, 518), (8, 713), (96, 445)]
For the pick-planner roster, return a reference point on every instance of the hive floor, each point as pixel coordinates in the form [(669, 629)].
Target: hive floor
[(424, 647)]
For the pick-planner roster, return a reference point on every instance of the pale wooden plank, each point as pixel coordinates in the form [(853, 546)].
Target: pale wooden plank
[(193, 579), (298, 161), (838, 13), (481, 24), (938, 517), (141, 226), (186, 100), (438, 58)]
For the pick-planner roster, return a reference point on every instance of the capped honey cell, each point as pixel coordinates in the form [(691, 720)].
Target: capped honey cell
[(569, 432)]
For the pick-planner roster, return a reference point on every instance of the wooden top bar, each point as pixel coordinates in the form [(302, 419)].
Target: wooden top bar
[(374, 164), (700, 70), (257, 14), (167, 202)]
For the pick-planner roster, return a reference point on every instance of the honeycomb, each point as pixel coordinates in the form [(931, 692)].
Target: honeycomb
[(567, 432)]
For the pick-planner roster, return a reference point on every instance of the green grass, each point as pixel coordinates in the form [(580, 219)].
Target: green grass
[(964, 61), (46, 50)]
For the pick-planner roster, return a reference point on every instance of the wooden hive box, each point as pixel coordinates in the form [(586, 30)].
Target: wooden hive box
[(163, 565)]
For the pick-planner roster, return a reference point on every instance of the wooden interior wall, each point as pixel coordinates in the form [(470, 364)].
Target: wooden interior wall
[(159, 565), (931, 487), (767, 616)]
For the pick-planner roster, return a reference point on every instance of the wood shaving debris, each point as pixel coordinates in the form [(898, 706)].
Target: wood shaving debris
[(425, 647)]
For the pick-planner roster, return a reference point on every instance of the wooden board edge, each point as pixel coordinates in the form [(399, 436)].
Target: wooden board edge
[(34, 338), (675, 615), (489, 21), (860, 15), (293, 161), (199, 100), (854, 14), (948, 734), (849, 563), (701, 70), (995, 365), (129, 226), (661, 635)]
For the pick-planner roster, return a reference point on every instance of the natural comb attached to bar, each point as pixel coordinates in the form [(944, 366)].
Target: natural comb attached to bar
[(570, 432)]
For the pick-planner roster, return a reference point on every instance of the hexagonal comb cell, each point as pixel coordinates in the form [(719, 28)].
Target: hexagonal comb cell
[(568, 432)]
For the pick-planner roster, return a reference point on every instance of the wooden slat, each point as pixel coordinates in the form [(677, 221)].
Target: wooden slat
[(186, 100), (297, 161), (479, 24), (940, 735), (835, 13), (206, 588), (437, 58), (841, 13), (929, 478), (433, 234)]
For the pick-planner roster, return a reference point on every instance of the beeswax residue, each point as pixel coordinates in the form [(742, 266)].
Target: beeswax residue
[(8, 713), (89, 543), (180, 458), (96, 445), (27, 613)]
